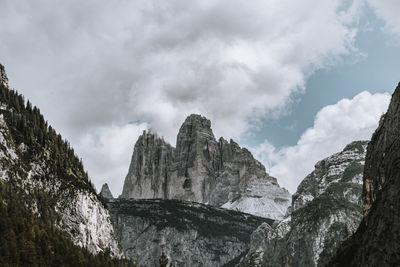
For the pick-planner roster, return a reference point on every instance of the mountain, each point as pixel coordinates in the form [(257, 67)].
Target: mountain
[(204, 170), (377, 239), (325, 210), (105, 192), (191, 234), (54, 215)]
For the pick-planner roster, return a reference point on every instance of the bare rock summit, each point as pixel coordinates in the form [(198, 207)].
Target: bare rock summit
[(203, 169), (105, 192)]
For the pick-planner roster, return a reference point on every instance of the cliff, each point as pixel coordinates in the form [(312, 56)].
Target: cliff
[(191, 234), (204, 170), (377, 239)]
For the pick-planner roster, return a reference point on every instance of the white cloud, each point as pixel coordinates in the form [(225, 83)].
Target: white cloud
[(107, 152), (388, 10), (93, 64), (334, 127)]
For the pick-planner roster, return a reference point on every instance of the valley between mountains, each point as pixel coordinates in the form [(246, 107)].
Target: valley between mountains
[(203, 201)]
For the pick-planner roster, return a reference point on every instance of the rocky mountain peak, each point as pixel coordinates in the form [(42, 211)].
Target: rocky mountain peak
[(326, 209), (150, 140), (3, 76), (345, 166), (194, 135), (149, 168), (204, 170), (105, 192), (197, 122)]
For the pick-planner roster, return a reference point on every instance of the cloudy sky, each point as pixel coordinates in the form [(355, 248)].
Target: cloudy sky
[(294, 81)]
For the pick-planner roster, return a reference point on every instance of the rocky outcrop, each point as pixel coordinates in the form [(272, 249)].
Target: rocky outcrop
[(105, 192), (3, 76), (346, 166), (148, 173), (191, 234), (326, 209), (202, 169), (197, 161), (377, 240)]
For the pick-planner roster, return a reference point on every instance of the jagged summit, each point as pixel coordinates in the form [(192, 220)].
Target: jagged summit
[(3, 76), (345, 166), (150, 157), (105, 192), (198, 120), (202, 169), (326, 209), (196, 123)]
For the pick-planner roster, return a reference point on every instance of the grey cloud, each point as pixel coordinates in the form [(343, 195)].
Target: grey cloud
[(97, 64)]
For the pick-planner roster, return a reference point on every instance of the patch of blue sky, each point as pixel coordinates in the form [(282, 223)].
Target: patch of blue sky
[(377, 70)]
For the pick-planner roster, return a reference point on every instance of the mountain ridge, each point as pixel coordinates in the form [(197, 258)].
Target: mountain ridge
[(54, 191), (204, 170), (325, 210), (191, 234)]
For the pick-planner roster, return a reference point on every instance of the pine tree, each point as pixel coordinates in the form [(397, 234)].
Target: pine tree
[(163, 260)]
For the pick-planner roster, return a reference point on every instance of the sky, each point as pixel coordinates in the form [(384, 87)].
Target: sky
[(294, 81)]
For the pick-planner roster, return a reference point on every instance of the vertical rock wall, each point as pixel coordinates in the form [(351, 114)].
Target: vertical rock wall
[(377, 240), (204, 170)]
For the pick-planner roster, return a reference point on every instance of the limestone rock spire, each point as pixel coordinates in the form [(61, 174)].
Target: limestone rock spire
[(105, 192)]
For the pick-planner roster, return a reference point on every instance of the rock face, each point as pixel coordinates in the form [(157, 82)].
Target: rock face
[(204, 170), (105, 192), (325, 210), (82, 215), (51, 181), (377, 240), (148, 172), (191, 234), (3, 76)]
